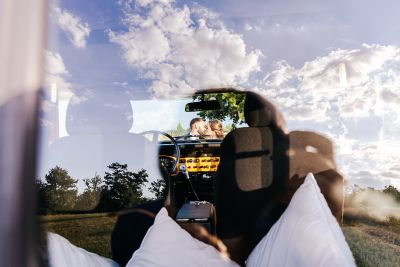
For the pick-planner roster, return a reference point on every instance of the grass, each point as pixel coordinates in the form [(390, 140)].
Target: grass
[(370, 247), (89, 231), (373, 242)]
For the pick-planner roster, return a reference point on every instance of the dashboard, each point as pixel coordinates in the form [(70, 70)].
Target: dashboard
[(197, 156), (202, 158), (200, 164)]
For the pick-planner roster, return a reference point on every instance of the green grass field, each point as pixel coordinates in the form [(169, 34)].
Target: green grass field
[(89, 231), (373, 243)]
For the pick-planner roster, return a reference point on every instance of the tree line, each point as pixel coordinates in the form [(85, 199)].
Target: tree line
[(389, 190), (118, 189)]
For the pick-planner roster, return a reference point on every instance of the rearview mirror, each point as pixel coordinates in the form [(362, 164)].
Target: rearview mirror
[(202, 106)]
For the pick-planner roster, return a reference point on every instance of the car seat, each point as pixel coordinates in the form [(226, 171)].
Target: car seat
[(98, 125), (261, 168), (313, 152), (253, 171)]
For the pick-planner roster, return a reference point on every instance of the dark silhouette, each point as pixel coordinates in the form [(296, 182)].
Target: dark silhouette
[(60, 189), (261, 167), (232, 104), (159, 188), (130, 230), (90, 197), (122, 188)]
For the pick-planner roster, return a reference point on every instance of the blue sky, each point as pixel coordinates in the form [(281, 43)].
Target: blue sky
[(331, 66)]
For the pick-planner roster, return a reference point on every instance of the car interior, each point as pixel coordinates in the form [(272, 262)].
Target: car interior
[(236, 187), (107, 123)]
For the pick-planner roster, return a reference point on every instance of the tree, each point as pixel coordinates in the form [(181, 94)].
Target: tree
[(122, 188), (43, 202), (159, 188), (60, 188), (179, 131), (232, 107), (90, 197), (393, 191)]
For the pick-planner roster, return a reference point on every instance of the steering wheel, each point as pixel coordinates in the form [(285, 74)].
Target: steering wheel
[(155, 139)]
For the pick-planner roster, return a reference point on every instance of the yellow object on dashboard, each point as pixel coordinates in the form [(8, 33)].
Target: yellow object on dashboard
[(200, 164)]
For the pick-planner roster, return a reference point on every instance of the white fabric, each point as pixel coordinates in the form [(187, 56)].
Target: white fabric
[(307, 234), (64, 254), (192, 137), (166, 244), (22, 30)]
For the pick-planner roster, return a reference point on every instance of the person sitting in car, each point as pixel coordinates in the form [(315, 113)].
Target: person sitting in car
[(198, 128), (215, 130)]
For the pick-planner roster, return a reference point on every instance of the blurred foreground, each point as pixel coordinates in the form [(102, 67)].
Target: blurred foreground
[(372, 225), (373, 242)]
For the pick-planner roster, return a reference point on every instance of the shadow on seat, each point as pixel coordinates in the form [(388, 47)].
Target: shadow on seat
[(253, 171), (98, 125), (312, 152), (261, 168)]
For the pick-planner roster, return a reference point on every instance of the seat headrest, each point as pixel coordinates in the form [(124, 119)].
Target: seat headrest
[(259, 112), (100, 113)]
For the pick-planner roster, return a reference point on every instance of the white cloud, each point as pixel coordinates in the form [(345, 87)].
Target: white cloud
[(138, 43), (180, 49), (56, 74), (54, 63), (349, 82), (77, 31), (344, 87), (57, 78), (58, 94), (369, 163), (200, 11)]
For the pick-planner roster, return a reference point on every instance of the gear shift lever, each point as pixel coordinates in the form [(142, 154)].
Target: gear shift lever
[(183, 169)]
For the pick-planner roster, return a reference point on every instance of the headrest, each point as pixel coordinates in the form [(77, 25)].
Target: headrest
[(259, 112), (99, 113)]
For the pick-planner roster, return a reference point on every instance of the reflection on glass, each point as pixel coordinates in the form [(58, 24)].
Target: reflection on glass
[(119, 68)]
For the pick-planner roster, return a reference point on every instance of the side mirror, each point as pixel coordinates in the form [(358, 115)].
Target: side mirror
[(202, 106)]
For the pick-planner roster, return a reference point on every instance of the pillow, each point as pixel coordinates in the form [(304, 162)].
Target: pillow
[(63, 253), (167, 244), (307, 234)]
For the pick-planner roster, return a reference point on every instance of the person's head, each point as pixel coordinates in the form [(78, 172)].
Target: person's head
[(216, 127), (198, 126)]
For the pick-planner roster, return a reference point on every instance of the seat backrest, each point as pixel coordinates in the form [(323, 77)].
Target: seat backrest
[(253, 168), (313, 152), (83, 156), (260, 169), (99, 135)]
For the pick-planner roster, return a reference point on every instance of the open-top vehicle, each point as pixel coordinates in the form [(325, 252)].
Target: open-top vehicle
[(102, 132), (236, 186)]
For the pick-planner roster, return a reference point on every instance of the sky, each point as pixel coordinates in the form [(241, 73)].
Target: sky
[(330, 66)]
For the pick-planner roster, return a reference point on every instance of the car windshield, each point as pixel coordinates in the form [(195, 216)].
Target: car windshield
[(135, 90), (170, 115)]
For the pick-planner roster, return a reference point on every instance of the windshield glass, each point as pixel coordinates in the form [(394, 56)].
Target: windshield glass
[(170, 116), (120, 78), (98, 128)]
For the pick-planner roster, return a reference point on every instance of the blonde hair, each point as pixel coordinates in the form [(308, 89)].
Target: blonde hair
[(216, 127)]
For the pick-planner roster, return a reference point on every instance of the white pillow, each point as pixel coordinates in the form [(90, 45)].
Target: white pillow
[(167, 244), (64, 254), (307, 234)]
